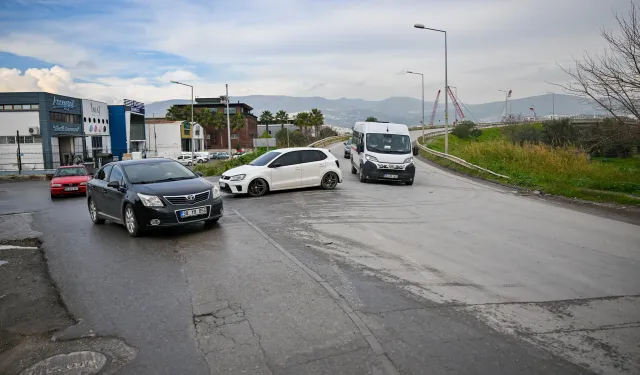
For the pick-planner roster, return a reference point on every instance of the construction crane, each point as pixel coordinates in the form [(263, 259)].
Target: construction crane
[(535, 116), (455, 103), (435, 108)]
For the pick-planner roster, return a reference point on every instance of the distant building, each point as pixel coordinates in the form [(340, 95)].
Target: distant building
[(168, 139), (218, 138), (127, 128)]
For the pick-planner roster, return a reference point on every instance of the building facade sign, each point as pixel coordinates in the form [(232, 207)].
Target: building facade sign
[(95, 118), (136, 107), (66, 128), (66, 104)]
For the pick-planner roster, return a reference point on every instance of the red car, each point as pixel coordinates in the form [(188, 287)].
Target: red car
[(69, 180)]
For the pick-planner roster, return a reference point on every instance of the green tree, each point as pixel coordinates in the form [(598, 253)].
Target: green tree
[(371, 119), (266, 118), (281, 118), (176, 113), (316, 119), (302, 121), (219, 122)]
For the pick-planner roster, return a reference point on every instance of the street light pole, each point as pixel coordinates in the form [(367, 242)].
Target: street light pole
[(422, 76), (553, 104), (193, 160), (446, 85), (226, 86)]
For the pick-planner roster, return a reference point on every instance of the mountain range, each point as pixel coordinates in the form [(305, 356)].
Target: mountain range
[(405, 110)]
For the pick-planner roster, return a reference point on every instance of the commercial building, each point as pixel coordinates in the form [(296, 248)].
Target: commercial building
[(47, 126), (242, 134), (127, 128), (168, 139), (97, 130)]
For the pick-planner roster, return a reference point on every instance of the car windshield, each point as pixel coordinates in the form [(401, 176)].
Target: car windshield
[(265, 159), (71, 172), (146, 173), (388, 143)]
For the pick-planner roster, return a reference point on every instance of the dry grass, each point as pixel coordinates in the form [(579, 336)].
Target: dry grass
[(562, 171)]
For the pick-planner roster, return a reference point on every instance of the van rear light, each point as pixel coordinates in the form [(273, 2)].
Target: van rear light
[(338, 163)]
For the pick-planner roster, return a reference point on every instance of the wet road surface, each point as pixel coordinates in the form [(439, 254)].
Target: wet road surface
[(446, 276)]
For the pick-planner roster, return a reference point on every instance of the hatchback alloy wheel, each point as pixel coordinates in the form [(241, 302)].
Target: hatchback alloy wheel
[(257, 187), (329, 181)]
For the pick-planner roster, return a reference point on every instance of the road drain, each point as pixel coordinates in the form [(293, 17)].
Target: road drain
[(76, 363)]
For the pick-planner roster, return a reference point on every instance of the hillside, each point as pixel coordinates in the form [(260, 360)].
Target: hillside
[(344, 112)]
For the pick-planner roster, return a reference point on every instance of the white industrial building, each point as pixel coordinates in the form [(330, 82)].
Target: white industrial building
[(168, 139)]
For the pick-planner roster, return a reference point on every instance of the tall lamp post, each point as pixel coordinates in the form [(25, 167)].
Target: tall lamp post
[(553, 104), (422, 76), (193, 160), (446, 86)]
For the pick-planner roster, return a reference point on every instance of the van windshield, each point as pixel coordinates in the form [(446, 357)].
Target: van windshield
[(388, 143)]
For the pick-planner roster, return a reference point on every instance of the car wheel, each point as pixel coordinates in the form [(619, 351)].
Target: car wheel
[(361, 176), (53, 196), (258, 187), (93, 212), (329, 181), (353, 169), (131, 222), (347, 156)]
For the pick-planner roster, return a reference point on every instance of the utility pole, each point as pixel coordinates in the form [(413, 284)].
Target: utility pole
[(193, 160), (19, 154)]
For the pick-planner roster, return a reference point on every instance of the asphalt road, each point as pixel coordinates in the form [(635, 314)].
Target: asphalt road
[(446, 276)]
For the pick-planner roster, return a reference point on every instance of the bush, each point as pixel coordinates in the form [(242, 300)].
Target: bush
[(326, 132), (559, 133), (466, 129), (219, 167), (521, 134)]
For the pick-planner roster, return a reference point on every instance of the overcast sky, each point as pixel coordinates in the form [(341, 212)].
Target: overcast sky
[(115, 49)]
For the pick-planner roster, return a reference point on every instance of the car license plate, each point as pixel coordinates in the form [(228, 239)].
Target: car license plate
[(192, 212), (386, 175), (71, 188), (223, 184)]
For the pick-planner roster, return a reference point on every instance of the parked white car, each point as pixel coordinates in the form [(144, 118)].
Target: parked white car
[(284, 169), (184, 160), (201, 157)]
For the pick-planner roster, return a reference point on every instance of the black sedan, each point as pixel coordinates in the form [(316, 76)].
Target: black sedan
[(151, 193)]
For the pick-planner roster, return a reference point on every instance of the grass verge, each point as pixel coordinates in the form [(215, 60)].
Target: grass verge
[(559, 171), (218, 167)]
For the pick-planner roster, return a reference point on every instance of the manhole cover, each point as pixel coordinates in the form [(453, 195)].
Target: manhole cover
[(76, 363)]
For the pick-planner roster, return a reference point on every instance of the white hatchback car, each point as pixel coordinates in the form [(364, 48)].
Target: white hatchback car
[(288, 168)]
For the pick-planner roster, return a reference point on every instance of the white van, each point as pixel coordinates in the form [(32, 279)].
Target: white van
[(382, 151)]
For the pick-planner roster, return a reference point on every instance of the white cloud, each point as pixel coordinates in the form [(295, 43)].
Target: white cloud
[(324, 48), (178, 75)]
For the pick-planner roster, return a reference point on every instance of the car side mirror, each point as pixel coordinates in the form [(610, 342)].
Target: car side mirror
[(113, 184), (345, 143), (198, 174), (360, 148), (416, 150), (275, 165)]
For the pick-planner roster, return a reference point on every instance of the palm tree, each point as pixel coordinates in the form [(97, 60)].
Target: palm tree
[(302, 120), (316, 120), (266, 118), (219, 122), (237, 123), (281, 118)]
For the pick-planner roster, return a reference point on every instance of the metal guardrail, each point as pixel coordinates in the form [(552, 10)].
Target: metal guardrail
[(329, 140), (456, 159)]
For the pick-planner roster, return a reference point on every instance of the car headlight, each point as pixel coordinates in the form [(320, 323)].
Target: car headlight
[(238, 177), (83, 183), (150, 200), (370, 158), (56, 185), (408, 160), (215, 192)]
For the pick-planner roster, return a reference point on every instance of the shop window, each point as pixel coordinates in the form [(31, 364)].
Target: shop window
[(64, 117), (96, 143), (35, 106), (4, 140)]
